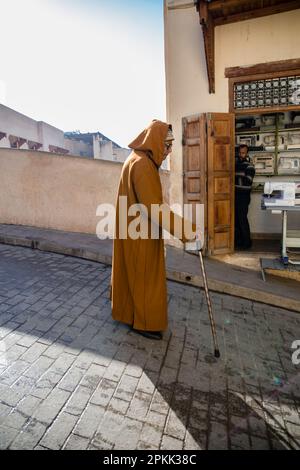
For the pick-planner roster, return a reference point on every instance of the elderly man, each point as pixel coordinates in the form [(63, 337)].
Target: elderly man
[(138, 283)]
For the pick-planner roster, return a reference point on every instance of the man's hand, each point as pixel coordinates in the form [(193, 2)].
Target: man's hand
[(195, 245)]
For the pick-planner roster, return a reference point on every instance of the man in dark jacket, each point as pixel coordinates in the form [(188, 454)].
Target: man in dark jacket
[(244, 174)]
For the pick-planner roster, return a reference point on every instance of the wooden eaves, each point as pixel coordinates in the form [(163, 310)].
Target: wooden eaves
[(214, 13)]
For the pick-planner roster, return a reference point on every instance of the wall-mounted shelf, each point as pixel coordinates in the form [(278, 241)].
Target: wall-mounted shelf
[(239, 132), (261, 151), (266, 157), (287, 129)]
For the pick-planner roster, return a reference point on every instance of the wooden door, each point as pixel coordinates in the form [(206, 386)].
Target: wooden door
[(194, 163), (220, 183), (208, 176)]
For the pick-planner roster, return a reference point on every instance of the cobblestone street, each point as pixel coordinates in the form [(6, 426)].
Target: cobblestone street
[(72, 378)]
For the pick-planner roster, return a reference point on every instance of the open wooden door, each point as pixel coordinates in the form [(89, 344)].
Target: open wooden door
[(220, 183), (194, 164), (208, 165)]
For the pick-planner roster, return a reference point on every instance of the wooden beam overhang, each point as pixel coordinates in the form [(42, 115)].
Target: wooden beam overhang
[(263, 68), (214, 13), (208, 29), (252, 9)]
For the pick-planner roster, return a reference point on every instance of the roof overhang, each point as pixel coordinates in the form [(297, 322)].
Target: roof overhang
[(214, 13)]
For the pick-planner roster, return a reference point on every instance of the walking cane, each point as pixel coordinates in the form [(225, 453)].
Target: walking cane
[(210, 312)]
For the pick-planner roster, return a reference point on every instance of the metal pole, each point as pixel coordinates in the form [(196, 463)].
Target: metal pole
[(284, 255), (211, 318)]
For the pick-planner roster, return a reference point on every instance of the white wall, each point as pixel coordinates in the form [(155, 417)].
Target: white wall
[(14, 123), (104, 150), (19, 125), (121, 154), (78, 147), (4, 143), (50, 135)]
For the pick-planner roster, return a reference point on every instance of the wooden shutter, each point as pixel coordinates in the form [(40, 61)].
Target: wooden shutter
[(220, 178), (194, 162)]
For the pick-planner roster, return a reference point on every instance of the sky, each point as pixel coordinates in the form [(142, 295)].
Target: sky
[(87, 65)]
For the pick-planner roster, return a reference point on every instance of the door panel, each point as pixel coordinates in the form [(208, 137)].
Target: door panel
[(221, 128), (222, 185), (194, 163), (222, 213), (220, 178), (221, 157), (222, 240), (208, 175)]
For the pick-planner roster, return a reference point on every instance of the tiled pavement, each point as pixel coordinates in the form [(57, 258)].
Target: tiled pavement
[(72, 378)]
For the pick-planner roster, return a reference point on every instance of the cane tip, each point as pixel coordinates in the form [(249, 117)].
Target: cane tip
[(217, 353)]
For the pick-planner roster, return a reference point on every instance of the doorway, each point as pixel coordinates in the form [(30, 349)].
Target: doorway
[(273, 140), (210, 142)]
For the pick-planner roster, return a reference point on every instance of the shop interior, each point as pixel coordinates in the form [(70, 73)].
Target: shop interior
[(274, 149)]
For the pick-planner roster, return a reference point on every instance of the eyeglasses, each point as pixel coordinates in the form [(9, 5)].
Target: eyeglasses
[(168, 145)]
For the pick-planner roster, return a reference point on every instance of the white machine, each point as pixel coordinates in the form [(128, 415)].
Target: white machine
[(284, 197), (278, 193)]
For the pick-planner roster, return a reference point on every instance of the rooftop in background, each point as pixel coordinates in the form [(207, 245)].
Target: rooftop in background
[(88, 137)]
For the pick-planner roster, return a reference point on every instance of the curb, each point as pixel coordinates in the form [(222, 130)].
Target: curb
[(177, 276)]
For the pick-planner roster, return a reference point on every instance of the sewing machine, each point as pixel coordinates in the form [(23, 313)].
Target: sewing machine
[(278, 193), (264, 164), (281, 198)]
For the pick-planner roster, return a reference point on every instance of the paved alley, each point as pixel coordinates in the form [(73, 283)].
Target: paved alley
[(72, 378)]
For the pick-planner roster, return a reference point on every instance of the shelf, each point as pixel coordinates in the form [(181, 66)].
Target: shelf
[(239, 132), (253, 131), (256, 134), (266, 110), (288, 129), (289, 151), (265, 174), (273, 151), (278, 175), (261, 151)]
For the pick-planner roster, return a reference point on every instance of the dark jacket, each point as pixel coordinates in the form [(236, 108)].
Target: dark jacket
[(244, 174)]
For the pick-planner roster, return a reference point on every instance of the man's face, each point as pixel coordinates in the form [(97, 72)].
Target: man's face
[(168, 148), (243, 152)]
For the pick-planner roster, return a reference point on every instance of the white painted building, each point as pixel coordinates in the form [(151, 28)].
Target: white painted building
[(22, 132), (95, 145)]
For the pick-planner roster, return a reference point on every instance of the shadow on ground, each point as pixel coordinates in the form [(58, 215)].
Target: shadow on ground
[(123, 391)]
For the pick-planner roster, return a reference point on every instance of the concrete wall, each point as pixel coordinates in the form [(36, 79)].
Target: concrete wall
[(50, 135), (121, 154), (14, 123), (19, 125), (104, 150), (4, 142), (55, 191), (78, 147), (266, 39)]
